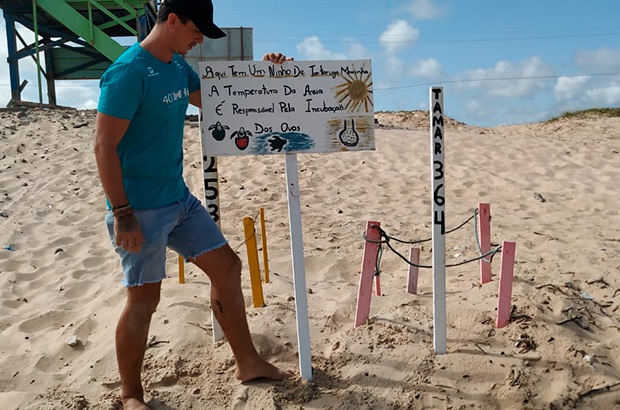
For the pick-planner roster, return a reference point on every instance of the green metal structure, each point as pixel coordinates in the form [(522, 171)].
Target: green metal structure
[(73, 39)]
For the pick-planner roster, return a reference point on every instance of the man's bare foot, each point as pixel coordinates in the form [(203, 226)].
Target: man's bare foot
[(261, 370), (134, 404)]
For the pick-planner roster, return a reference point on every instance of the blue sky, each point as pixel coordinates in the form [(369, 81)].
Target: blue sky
[(499, 62)]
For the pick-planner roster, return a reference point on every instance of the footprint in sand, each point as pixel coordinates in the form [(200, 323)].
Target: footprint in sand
[(95, 262), (240, 400), (48, 320)]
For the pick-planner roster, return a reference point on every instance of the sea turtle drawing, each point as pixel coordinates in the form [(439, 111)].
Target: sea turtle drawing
[(242, 138), (277, 143), (219, 131)]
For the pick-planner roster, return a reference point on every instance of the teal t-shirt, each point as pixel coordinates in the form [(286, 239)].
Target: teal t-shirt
[(154, 96)]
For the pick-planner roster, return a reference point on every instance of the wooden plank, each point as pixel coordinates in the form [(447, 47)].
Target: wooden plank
[(412, 276), (484, 234), (250, 245), (504, 300), (369, 264)]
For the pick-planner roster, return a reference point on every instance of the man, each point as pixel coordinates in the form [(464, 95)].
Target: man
[(138, 147)]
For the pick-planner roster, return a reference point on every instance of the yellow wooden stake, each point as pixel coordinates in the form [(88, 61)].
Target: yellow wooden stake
[(263, 236), (250, 244), (181, 269)]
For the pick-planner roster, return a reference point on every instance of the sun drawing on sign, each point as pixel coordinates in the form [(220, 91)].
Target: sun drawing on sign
[(355, 91)]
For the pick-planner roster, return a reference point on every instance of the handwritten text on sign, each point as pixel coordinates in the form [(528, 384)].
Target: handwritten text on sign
[(437, 151), (261, 108)]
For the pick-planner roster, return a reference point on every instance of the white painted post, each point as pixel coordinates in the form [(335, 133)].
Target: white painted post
[(212, 204), (438, 201), (299, 272)]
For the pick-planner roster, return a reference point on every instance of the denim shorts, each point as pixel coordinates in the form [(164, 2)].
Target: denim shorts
[(184, 226)]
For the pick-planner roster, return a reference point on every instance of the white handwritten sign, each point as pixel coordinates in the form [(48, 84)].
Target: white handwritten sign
[(261, 108)]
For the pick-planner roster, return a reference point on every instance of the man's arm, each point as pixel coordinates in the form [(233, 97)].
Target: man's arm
[(109, 132), (194, 99)]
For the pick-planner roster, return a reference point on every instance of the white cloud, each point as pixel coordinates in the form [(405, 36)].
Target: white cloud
[(27, 67), (605, 60), (394, 66), (569, 88), (473, 106), (356, 50), (604, 96), (5, 88), (424, 9), (91, 104), (312, 49), (82, 95), (586, 91), (509, 80), (429, 68), (398, 35)]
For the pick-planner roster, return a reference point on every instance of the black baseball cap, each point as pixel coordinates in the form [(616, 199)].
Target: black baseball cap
[(200, 12)]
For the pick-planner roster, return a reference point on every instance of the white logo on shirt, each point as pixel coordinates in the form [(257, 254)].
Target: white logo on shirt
[(175, 96)]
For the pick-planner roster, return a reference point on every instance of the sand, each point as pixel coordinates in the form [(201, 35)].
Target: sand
[(60, 277)]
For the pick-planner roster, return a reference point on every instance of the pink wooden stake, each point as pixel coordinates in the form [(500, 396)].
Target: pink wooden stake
[(369, 264), (412, 278), (504, 302), (378, 284), (484, 234)]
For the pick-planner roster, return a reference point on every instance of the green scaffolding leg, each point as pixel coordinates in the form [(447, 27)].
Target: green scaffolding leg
[(81, 26)]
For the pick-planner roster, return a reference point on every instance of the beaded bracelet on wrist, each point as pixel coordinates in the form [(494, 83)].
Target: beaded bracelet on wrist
[(122, 212), (117, 208)]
